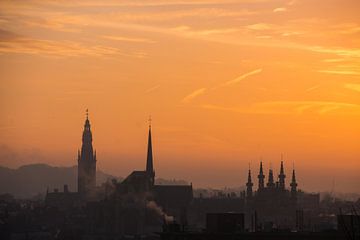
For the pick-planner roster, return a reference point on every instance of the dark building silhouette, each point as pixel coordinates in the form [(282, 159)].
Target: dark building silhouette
[(261, 178), (249, 185), (141, 181), (272, 205), (275, 205), (137, 208), (149, 160), (293, 186), (86, 178), (173, 199), (86, 162)]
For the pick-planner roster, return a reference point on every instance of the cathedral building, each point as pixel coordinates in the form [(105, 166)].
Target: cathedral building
[(273, 204)]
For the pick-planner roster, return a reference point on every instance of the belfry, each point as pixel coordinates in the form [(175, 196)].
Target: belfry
[(86, 161)]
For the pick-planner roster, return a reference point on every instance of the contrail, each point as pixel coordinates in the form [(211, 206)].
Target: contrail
[(193, 95), (242, 77)]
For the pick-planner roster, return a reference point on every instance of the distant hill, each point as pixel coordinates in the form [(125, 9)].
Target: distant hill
[(30, 180)]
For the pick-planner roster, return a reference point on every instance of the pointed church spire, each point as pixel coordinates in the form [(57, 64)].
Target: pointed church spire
[(249, 185), (149, 160), (282, 175), (271, 179), (293, 185), (261, 177)]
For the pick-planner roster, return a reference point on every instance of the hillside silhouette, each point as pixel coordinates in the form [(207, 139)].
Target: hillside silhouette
[(30, 180)]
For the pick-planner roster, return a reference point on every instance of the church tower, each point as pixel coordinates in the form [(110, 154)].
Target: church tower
[(282, 177), (271, 183), (249, 185), (149, 160), (86, 161), (261, 178), (293, 185)]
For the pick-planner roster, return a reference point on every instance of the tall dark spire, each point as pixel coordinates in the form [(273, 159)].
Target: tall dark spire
[(149, 160), (293, 185), (86, 161), (261, 177), (282, 176), (249, 185), (271, 183)]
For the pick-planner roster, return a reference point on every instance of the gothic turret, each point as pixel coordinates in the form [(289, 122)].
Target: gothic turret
[(293, 185), (282, 177), (149, 161), (249, 186), (261, 178), (86, 161), (271, 183)]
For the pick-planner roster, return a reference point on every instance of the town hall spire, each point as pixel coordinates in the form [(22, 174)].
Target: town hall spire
[(86, 161)]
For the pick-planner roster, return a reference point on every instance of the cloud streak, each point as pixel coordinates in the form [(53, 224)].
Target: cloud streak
[(292, 107), (129, 39), (193, 95), (353, 86), (280, 9), (242, 77), (152, 89)]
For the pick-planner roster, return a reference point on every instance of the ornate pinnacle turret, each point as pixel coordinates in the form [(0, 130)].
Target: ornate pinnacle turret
[(249, 185), (261, 177), (293, 185), (282, 176), (271, 183)]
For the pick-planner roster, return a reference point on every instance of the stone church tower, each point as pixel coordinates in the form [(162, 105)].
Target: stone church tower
[(86, 162)]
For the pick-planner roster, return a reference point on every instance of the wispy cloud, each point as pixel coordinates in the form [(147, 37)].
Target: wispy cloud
[(310, 89), (129, 39), (353, 86), (318, 107), (280, 9), (55, 48), (334, 60), (341, 72), (202, 91), (18, 44), (193, 95), (259, 26), (152, 89), (242, 77), (292, 107)]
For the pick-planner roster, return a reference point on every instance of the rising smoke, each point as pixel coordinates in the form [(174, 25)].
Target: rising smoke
[(153, 206)]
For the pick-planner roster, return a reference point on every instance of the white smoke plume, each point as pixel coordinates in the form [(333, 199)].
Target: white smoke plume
[(152, 205)]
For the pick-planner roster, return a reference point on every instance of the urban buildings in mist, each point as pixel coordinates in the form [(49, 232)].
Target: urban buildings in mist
[(137, 206)]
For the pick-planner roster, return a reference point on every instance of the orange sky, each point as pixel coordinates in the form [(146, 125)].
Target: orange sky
[(227, 82)]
